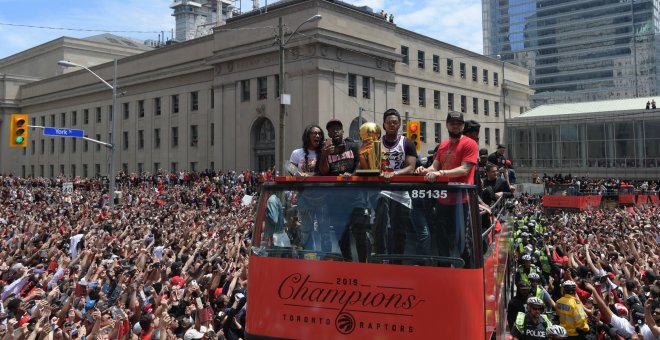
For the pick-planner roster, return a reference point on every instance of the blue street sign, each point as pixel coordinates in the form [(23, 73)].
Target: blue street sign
[(64, 132)]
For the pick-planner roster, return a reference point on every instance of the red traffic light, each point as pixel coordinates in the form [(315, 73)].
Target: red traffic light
[(413, 127)]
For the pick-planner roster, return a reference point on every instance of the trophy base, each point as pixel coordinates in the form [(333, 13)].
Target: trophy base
[(364, 172)]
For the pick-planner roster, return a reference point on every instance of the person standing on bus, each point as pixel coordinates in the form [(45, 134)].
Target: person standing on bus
[(393, 208), (571, 312), (456, 159), (531, 325)]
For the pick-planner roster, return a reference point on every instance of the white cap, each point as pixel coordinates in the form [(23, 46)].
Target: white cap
[(192, 333)]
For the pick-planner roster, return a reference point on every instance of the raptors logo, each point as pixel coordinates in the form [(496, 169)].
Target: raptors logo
[(345, 323)]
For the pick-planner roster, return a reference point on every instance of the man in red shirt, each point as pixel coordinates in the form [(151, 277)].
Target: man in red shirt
[(456, 159)]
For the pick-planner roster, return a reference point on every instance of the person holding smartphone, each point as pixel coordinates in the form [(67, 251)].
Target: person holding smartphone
[(339, 156)]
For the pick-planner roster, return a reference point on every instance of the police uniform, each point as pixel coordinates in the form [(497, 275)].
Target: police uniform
[(526, 329)]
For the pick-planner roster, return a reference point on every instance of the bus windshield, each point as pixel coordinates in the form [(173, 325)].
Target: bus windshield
[(427, 224)]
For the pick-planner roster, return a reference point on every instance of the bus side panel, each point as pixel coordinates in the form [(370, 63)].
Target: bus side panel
[(495, 274), (626, 199), (298, 299), (556, 201)]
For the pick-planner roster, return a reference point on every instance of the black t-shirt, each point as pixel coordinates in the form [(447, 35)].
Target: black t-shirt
[(490, 188), (496, 159), (346, 161)]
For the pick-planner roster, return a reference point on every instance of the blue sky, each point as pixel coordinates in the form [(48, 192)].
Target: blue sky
[(457, 22)]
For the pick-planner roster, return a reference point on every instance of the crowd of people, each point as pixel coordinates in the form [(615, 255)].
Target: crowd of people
[(593, 273), (168, 261)]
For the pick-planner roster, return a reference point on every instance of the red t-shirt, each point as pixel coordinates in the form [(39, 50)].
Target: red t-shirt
[(451, 154)]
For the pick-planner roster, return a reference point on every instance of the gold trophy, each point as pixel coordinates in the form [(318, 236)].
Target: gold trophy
[(370, 151)]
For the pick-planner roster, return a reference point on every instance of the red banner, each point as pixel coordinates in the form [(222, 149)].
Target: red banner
[(572, 202), (308, 299), (626, 199)]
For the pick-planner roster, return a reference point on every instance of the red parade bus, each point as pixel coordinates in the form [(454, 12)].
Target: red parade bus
[(326, 264), (567, 196)]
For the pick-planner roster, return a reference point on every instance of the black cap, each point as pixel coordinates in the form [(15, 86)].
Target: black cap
[(455, 116), (483, 152), (501, 146), (334, 121), (391, 112), (471, 126)]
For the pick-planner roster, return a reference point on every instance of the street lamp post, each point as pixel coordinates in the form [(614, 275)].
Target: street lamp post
[(111, 185), (282, 44)]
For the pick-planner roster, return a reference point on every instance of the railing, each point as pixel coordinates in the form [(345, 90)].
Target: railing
[(498, 209), (617, 163)]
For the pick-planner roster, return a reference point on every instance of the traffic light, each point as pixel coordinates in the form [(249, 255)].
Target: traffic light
[(18, 132), (412, 133)]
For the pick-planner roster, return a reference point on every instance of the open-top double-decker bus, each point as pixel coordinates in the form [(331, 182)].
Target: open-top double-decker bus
[(339, 258)]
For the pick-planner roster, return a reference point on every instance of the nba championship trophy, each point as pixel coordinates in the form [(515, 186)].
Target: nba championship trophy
[(370, 151)]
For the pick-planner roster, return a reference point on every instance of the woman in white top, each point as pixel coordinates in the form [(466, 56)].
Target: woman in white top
[(305, 158)]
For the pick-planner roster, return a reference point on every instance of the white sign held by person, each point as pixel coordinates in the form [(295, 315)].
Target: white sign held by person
[(67, 187), (247, 200)]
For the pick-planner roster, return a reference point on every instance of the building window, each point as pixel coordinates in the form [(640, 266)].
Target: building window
[(497, 109), (43, 146), (98, 146), (497, 136), (98, 114), (193, 166), (366, 87), (32, 147), (61, 169), (262, 88), (487, 136), (125, 110), (475, 106), (212, 98), (474, 73), (462, 69), (436, 100), (175, 103), (405, 94), (125, 140), (436, 63), (450, 67), (194, 137), (486, 107), (86, 116), (52, 120), (463, 104), (438, 132), (109, 113), (212, 133), (450, 101), (85, 171), (97, 169), (124, 167), (157, 106), (73, 171), (43, 120), (194, 101), (74, 118), (74, 143), (52, 146), (352, 83), (140, 139), (85, 146), (404, 52), (156, 138), (41, 170), (175, 136), (140, 108), (422, 97), (420, 59), (245, 90), (63, 119), (140, 168), (422, 132), (277, 86), (485, 76), (496, 80), (173, 167)]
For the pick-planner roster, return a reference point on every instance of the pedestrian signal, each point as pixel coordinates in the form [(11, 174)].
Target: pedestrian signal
[(18, 130), (413, 133)]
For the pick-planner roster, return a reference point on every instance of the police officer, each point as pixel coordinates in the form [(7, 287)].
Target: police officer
[(571, 312), (518, 303), (527, 268), (538, 291), (533, 324)]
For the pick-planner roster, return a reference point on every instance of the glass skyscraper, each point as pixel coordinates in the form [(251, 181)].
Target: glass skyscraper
[(578, 50)]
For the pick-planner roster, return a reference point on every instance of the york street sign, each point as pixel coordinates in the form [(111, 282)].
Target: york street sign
[(64, 132)]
